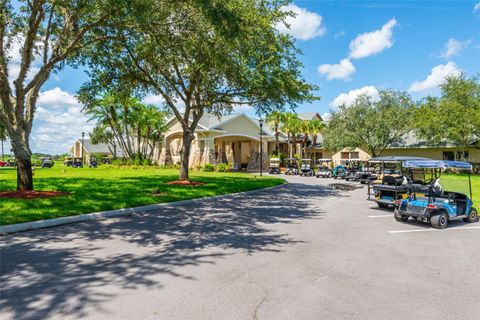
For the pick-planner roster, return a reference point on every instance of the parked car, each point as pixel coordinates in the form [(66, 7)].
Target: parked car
[(274, 166), (306, 168), (431, 202), (46, 162), (3, 164)]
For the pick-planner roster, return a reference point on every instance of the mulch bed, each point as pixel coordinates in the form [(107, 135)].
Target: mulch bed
[(31, 194), (188, 183)]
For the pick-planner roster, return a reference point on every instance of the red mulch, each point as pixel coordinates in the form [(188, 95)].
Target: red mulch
[(31, 194), (186, 183)]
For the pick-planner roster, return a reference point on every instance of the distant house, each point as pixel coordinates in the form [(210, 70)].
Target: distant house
[(88, 149)]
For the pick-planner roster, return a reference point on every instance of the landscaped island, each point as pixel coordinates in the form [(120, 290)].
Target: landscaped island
[(99, 189)]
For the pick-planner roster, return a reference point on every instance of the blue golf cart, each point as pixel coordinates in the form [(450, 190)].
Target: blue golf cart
[(339, 171), (432, 203)]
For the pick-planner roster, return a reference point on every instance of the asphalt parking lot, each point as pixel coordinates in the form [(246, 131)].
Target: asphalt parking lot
[(301, 251)]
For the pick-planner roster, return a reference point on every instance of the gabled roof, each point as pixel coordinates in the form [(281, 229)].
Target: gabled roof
[(101, 148), (309, 115)]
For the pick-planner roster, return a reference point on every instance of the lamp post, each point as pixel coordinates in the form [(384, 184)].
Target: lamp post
[(83, 145), (260, 122)]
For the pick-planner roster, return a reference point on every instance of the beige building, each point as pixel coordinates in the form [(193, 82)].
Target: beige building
[(228, 139)]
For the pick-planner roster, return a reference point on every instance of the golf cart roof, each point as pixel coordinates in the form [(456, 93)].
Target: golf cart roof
[(396, 159), (324, 160), (437, 164), (292, 159), (274, 159)]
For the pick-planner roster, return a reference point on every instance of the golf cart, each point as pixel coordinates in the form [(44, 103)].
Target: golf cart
[(306, 168), (323, 168), (274, 166), (353, 167), (368, 173), (339, 172), (292, 166), (68, 161), (46, 162), (11, 163), (77, 162), (394, 181), (431, 202)]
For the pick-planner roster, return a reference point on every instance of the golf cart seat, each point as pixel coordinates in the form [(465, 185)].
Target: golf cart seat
[(393, 181)]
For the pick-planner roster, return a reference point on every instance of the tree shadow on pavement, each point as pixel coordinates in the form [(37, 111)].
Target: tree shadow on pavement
[(61, 271)]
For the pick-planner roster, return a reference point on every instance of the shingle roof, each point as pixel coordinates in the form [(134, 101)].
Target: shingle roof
[(308, 115), (101, 148)]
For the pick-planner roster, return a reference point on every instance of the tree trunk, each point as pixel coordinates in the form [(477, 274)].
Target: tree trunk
[(289, 146), (24, 165), (185, 156), (277, 141)]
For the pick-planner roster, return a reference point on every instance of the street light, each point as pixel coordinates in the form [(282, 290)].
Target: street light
[(260, 122), (83, 145)]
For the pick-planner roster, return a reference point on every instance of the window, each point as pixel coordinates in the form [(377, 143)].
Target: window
[(349, 155), (455, 155), (465, 155), (448, 155)]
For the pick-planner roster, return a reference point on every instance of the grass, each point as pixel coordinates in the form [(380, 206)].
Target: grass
[(114, 188), (459, 182)]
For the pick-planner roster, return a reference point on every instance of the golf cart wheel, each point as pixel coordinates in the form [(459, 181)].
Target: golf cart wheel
[(382, 205), (399, 217), (362, 182), (472, 216), (439, 221)]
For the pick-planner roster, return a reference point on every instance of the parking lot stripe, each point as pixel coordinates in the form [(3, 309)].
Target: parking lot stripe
[(381, 216), (428, 230)]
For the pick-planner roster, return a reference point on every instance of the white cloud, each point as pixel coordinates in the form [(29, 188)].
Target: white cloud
[(57, 97), (326, 116), (342, 70), (436, 77), (58, 122), (454, 47), (349, 98), (156, 100), (15, 59), (304, 25), (476, 7), (370, 43)]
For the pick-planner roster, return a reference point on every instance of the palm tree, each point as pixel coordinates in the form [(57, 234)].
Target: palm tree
[(274, 120), (306, 129), (291, 125), (316, 127)]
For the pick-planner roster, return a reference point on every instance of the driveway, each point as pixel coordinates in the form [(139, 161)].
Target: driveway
[(301, 251)]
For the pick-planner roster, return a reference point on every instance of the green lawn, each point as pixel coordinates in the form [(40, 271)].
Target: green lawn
[(453, 182), (113, 188)]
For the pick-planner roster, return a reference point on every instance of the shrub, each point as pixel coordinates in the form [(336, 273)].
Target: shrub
[(208, 167), (223, 167)]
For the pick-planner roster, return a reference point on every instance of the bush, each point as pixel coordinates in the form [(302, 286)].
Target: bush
[(223, 167), (208, 167)]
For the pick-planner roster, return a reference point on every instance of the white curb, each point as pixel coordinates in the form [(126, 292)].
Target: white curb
[(39, 224)]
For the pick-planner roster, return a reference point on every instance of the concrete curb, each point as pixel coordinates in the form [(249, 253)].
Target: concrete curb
[(40, 224)]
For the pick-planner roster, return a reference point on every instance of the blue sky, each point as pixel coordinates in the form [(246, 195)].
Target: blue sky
[(349, 48)]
